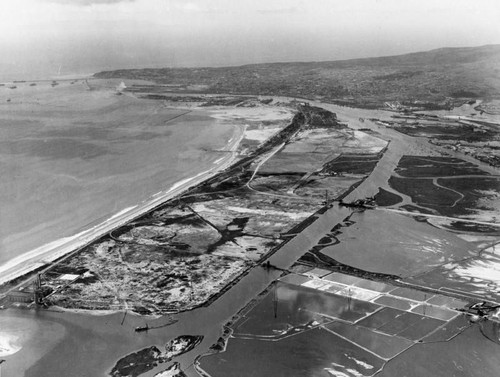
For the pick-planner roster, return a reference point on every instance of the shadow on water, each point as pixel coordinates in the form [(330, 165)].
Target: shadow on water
[(283, 335)]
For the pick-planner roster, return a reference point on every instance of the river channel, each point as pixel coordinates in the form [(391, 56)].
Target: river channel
[(83, 345), (74, 344)]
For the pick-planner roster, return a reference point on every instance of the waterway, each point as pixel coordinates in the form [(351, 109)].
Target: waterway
[(93, 343), (70, 344)]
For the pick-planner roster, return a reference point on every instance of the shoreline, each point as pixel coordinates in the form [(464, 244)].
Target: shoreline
[(45, 255), (311, 215)]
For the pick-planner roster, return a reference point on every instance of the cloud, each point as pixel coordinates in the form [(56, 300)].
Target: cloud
[(288, 10), (88, 2), (195, 6)]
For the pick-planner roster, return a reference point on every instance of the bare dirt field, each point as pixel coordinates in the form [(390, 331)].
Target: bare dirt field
[(185, 252)]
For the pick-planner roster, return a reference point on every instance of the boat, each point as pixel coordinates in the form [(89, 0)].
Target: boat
[(368, 203), (142, 328)]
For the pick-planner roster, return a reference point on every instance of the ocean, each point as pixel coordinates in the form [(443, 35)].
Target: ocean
[(71, 157)]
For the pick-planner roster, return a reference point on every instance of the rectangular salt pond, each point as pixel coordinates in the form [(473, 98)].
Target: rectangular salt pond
[(294, 279), (385, 346), (398, 323), (374, 285), (315, 284), (359, 293), (449, 302), (342, 278), (435, 312), (287, 307), (421, 328), (319, 272), (318, 352), (394, 302), (411, 294)]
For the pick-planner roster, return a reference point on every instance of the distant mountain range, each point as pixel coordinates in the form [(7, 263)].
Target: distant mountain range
[(434, 79)]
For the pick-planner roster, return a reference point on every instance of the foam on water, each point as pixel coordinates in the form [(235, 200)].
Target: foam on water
[(122, 212), (8, 344)]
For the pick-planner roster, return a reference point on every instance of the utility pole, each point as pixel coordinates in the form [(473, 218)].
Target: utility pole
[(37, 290), (1, 362), (275, 302)]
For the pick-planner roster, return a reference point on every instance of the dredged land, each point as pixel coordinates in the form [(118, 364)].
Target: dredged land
[(406, 272)]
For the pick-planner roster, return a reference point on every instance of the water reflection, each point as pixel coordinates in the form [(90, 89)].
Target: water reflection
[(283, 335)]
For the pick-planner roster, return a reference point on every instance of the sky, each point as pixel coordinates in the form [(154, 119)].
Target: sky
[(50, 38)]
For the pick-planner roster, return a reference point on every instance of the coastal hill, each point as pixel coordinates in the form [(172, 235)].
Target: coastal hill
[(433, 79)]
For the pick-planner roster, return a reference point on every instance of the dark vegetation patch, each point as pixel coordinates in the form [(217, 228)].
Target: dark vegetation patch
[(460, 199), (142, 361), (205, 101), (320, 260), (137, 363), (415, 209), (217, 101), (293, 162), (325, 241), (465, 94), (221, 343), (465, 226), (459, 132), (317, 117), (473, 190), (351, 164), (414, 166), (331, 238), (286, 174), (386, 198), (190, 219), (275, 182), (162, 97), (65, 269), (232, 231), (424, 193), (472, 187)]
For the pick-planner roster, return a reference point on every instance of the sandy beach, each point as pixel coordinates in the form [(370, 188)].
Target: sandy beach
[(48, 253), (109, 201), (84, 161)]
